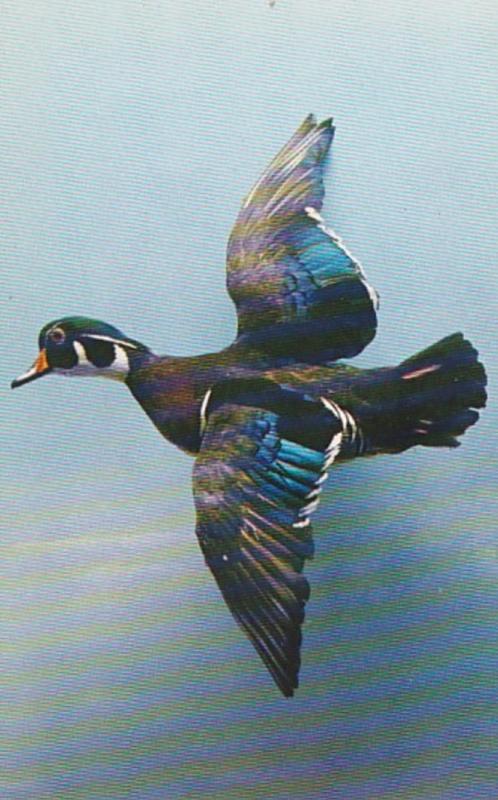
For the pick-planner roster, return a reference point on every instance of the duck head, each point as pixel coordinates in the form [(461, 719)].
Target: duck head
[(82, 346)]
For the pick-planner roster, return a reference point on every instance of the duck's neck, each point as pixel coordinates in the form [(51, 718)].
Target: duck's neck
[(138, 360)]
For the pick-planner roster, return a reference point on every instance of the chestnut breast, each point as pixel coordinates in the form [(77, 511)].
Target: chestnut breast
[(171, 390)]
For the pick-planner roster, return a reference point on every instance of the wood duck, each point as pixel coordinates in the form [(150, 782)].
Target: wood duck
[(266, 417)]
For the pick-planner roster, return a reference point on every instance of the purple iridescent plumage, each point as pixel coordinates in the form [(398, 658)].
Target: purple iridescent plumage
[(267, 416), (299, 294)]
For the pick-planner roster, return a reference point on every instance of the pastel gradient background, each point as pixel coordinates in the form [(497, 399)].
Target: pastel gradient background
[(130, 132)]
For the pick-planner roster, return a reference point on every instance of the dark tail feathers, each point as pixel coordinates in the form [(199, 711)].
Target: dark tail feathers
[(429, 399)]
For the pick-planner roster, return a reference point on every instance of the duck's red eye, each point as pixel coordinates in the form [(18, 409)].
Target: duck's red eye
[(57, 335)]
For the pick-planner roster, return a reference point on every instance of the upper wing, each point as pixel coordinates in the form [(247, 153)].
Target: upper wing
[(255, 483), (300, 295)]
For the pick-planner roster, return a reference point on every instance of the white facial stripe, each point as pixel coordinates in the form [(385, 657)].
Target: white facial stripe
[(118, 370), (109, 339), (82, 357), (121, 365)]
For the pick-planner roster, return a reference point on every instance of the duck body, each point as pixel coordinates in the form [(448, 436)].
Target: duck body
[(171, 389), (267, 417), (382, 409)]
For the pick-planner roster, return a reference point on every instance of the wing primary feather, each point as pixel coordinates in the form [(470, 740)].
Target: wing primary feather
[(295, 587), (278, 549), (285, 683), (279, 661), (302, 545), (283, 669), (269, 601)]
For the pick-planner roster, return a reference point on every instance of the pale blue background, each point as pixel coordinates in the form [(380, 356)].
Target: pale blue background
[(130, 132)]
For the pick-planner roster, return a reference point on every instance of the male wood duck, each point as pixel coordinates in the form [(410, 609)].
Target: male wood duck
[(266, 417)]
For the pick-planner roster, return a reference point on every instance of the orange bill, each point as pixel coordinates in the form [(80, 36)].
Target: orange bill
[(39, 368)]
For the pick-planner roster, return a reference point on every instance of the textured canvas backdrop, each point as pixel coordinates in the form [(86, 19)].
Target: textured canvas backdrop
[(130, 132)]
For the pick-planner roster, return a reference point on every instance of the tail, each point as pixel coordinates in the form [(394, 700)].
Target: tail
[(429, 399)]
